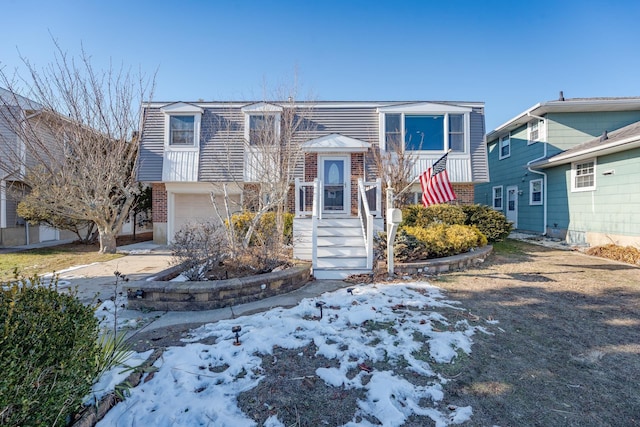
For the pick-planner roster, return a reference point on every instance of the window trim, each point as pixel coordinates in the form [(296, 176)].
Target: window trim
[(182, 109), (508, 138), (574, 175), (494, 198), (466, 128), (247, 123), (531, 192)]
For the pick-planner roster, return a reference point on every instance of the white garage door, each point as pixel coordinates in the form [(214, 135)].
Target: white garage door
[(195, 208)]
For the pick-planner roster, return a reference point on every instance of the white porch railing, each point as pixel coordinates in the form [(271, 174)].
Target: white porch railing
[(307, 198), (366, 219)]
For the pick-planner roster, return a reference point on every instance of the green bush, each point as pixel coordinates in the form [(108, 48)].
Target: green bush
[(266, 228), (419, 216), (490, 222), (437, 240), (48, 353)]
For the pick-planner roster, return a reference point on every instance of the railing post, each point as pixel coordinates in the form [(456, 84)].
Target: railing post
[(314, 225), (297, 196), (379, 196)]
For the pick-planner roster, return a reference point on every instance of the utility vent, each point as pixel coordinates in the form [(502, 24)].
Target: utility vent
[(604, 136)]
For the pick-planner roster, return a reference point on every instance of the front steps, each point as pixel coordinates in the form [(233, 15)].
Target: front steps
[(341, 251)]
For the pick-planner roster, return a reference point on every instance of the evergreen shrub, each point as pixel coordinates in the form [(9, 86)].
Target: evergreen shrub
[(48, 353), (490, 222)]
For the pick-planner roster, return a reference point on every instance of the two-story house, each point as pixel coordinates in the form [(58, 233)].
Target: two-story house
[(570, 169), (190, 151), (16, 110)]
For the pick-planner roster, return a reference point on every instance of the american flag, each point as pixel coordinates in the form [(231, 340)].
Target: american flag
[(435, 184)]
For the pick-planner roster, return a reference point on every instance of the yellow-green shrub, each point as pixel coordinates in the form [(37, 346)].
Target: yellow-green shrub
[(437, 240), (419, 216), (266, 229)]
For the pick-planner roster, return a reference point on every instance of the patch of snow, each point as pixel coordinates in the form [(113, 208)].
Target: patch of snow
[(116, 375), (198, 384)]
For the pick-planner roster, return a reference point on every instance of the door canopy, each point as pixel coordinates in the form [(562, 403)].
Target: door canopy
[(335, 143)]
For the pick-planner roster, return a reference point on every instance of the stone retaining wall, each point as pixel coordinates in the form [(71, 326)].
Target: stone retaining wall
[(208, 295), (442, 265)]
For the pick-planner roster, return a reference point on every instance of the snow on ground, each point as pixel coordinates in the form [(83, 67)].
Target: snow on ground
[(198, 384), (116, 375)]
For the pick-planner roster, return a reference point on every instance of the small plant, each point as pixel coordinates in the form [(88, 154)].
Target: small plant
[(48, 351), (114, 349)]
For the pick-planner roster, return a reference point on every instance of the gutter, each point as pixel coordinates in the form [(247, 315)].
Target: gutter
[(544, 175)]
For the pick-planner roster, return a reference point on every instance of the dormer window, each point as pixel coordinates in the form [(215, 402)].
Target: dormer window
[(182, 126), (262, 124), (182, 130), (263, 129)]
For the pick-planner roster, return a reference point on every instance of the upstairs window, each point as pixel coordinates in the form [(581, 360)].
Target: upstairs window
[(425, 127), (263, 129), (182, 126), (535, 192), (392, 132), (456, 132), (424, 133), (535, 130), (182, 130), (505, 147), (583, 176)]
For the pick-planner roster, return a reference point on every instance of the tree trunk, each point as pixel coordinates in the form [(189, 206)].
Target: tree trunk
[(107, 241)]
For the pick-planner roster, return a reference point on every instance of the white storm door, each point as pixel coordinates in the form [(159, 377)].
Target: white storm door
[(334, 172), (512, 205)]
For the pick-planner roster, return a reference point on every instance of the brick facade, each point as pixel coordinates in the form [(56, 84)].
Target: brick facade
[(465, 193), (159, 202)]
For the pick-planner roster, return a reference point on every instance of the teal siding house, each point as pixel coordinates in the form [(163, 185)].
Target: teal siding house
[(569, 169)]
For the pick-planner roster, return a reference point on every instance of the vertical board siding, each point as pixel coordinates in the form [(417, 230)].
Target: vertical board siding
[(151, 146), (479, 165)]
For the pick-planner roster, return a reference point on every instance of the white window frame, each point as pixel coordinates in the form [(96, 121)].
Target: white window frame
[(531, 192), (182, 109), (247, 123), (536, 126), (494, 198), (574, 175), (500, 141), (429, 109)]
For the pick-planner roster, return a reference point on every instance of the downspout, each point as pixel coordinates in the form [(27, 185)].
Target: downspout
[(544, 175)]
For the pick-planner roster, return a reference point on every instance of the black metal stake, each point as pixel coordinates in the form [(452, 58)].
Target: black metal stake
[(236, 330), (320, 304)]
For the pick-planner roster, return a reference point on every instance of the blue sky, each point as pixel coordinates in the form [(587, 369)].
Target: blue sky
[(508, 54)]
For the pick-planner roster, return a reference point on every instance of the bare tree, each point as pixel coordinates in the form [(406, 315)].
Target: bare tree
[(273, 157), (78, 138), (395, 167)]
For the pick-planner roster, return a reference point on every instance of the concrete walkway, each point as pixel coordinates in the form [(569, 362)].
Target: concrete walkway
[(146, 259)]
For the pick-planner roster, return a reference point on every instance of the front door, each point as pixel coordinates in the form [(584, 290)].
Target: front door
[(334, 172), (512, 205)]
